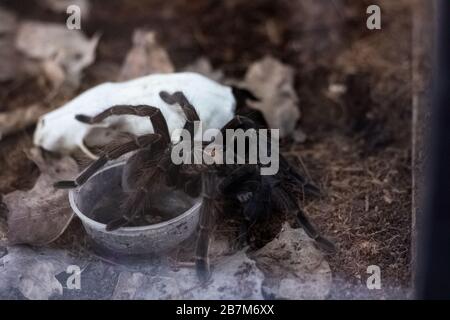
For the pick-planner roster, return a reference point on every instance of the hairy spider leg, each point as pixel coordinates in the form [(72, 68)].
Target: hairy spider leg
[(208, 213), (156, 117), (114, 152), (152, 174), (285, 203), (242, 96), (311, 231), (191, 185), (239, 122), (188, 109), (289, 170), (209, 208), (179, 98), (243, 122), (245, 185), (160, 127)]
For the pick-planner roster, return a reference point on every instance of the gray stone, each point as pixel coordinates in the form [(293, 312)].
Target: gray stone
[(293, 267), (234, 277), (32, 272)]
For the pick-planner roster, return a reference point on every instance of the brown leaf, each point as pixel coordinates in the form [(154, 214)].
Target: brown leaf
[(146, 57), (40, 215), (56, 48), (273, 83), (19, 119)]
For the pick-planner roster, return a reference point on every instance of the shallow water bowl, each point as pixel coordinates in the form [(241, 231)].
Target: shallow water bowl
[(98, 200)]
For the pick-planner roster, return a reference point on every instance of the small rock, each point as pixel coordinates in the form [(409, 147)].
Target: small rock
[(234, 277), (127, 285), (33, 272), (3, 251), (293, 267)]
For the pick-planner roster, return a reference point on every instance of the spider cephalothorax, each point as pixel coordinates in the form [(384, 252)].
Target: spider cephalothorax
[(151, 165)]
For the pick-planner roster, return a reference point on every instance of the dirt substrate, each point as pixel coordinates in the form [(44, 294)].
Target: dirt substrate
[(358, 142)]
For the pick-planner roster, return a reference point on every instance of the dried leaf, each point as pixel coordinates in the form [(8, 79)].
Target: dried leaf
[(40, 215), (54, 43), (273, 83), (16, 120), (146, 57)]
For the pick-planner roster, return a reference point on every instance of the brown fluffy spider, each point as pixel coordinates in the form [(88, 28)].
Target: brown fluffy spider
[(257, 195)]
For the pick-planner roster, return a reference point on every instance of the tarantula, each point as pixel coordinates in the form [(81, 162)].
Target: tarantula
[(257, 195)]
